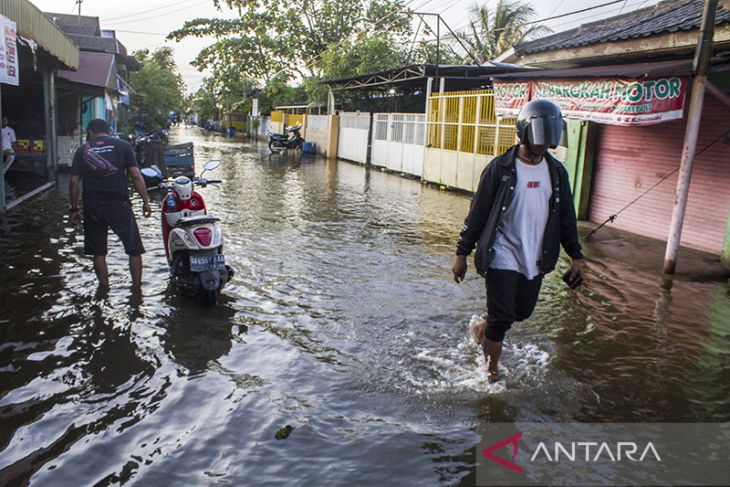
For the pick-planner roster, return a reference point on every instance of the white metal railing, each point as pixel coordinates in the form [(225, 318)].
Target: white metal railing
[(355, 120), (404, 128)]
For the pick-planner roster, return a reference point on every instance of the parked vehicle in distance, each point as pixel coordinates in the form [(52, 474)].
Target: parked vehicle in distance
[(281, 142)]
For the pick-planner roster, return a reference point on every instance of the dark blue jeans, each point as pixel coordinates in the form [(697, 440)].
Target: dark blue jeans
[(510, 297)]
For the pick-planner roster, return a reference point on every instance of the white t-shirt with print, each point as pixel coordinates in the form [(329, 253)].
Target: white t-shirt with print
[(518, 244)]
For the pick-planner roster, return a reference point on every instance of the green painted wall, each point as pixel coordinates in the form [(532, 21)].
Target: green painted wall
[(581, 136)]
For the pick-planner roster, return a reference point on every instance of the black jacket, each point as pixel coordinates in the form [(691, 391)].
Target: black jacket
[(494, 195)]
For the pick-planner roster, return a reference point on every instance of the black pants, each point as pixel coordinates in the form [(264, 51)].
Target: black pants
[(510, 297), (99, 216)]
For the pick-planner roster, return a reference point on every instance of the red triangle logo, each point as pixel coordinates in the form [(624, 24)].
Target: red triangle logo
[(512, 440)]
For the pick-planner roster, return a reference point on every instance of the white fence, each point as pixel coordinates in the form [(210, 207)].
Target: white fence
[(398, 142), (353, 139), (265, 126), (318, 131)]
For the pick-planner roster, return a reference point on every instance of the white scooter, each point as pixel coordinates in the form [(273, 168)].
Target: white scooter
[(193, 239)]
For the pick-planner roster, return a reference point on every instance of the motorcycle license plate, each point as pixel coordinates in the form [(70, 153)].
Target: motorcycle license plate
[(207, 263)]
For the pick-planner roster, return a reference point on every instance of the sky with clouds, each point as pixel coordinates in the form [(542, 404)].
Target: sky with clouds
[(144, 23)]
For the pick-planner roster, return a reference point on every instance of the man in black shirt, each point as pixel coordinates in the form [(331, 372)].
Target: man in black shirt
[(106, 199)]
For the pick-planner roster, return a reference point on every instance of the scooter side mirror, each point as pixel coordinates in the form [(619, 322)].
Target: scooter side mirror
[(210, 165)]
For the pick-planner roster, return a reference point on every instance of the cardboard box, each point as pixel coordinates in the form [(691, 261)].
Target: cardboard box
[(22, 146), (37, 147)]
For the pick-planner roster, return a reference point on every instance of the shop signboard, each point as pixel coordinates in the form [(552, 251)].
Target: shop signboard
[(8, 52), (509, 97), (614, 101)]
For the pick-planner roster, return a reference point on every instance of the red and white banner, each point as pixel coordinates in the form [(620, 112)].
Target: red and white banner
[(509, 97), (615, 101), (8, 52)]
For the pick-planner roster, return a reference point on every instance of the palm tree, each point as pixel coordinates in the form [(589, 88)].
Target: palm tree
[(491, 32)]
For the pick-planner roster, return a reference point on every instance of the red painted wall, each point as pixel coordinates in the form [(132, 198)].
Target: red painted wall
[(629, 160)]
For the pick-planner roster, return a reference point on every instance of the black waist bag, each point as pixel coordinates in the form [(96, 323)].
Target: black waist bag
[(96, 164)]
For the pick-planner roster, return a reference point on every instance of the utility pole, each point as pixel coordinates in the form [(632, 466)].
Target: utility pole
[(79, 2), (700, 70)]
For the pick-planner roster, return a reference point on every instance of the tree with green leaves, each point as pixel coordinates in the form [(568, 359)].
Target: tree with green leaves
[(493, 31), (274, 41), (271, 37), (158, 88)]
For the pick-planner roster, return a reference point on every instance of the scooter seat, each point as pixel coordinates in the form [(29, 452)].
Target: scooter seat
[(196, 220)]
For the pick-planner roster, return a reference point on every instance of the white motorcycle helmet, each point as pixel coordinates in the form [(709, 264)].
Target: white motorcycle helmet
[(183, 187)]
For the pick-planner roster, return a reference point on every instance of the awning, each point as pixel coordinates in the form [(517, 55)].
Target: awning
[(33, 24), (677, 67), (681, 67), (95, 69)]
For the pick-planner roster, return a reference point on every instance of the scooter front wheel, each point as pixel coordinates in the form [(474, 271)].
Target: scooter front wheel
[(275, 146)]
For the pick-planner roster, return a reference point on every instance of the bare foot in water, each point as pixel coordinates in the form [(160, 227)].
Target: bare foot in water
[(491, 350), (492, 373), (478, 331)]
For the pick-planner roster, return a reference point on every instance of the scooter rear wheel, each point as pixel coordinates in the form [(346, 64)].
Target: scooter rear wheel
[(209, 298), (275, 146)]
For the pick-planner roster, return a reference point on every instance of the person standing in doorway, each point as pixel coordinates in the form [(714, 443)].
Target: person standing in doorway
[(520, 214), (8, 141), (103, 164)]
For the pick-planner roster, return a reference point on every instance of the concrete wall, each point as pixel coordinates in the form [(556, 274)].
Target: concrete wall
[(318, 132), (455, 169)]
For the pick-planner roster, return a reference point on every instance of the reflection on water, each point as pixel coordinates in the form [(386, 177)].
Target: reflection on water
[(342, 321)]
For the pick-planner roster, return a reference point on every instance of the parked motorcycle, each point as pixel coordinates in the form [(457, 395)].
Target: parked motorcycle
[(193, 239), (280, 142), (143, 139)]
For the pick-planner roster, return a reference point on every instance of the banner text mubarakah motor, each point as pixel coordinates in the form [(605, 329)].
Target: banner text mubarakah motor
[(615, 90)]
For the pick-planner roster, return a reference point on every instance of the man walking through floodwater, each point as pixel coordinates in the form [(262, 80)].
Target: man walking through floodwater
[(103, 163), (520, 214)]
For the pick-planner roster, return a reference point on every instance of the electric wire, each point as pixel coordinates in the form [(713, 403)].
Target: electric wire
[(160, 15), (136, 14)]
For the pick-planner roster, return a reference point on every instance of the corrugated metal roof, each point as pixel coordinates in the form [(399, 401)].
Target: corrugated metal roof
[(666, 16), (33, 24), (95, 69)]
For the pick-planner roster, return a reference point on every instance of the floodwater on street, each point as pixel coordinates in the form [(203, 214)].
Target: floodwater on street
[(342, 321)]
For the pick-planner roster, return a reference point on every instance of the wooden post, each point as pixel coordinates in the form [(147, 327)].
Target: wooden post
[(700, 69)]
